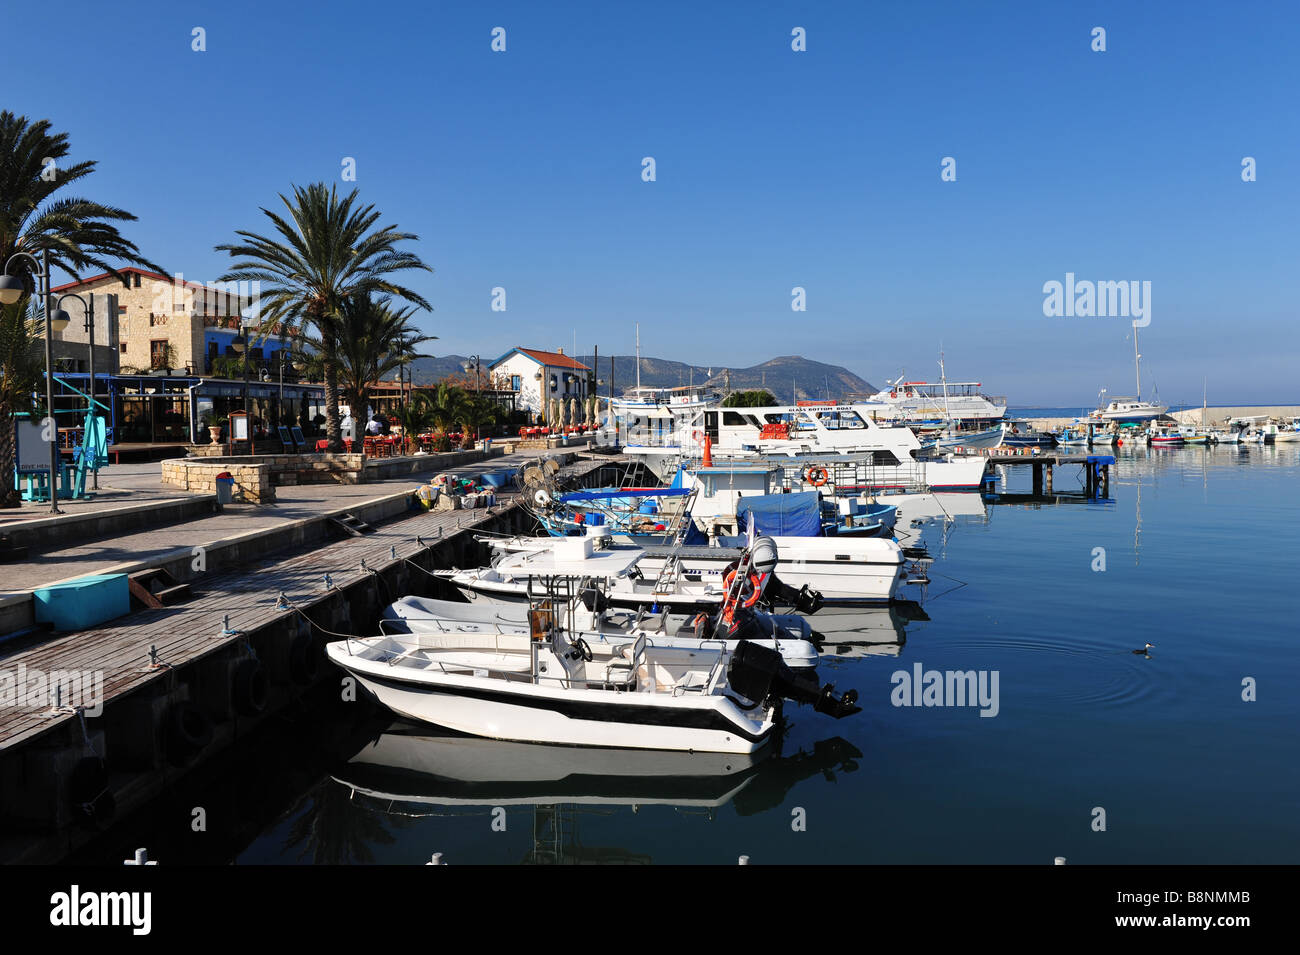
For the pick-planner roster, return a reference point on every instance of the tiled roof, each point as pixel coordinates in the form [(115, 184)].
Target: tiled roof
[(553, 359)]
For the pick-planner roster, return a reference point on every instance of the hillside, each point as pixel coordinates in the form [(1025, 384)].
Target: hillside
[(789, 377)]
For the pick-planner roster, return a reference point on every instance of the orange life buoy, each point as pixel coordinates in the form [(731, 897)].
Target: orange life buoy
[(697, 436), (755, 588), (816, 476), (893, 394)]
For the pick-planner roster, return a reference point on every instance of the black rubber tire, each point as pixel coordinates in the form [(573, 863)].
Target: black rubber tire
[(189, 732), (251, 687)]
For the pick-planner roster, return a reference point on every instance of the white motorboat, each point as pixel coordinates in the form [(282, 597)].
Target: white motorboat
[(813, 433), (558, 690), (509, 577), (648, 698), (849, 570), (504, 624)]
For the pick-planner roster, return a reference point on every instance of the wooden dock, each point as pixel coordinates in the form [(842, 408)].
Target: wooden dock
[(177, 669), (1096, 469)]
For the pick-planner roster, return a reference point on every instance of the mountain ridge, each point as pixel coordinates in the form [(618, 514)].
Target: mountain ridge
[(789, 377)]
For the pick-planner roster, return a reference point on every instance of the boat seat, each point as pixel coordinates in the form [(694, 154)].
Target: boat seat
[(632, 662)]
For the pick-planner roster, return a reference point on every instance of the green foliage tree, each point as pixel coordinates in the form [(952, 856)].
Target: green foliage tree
[(37, 217), (749, 399), (326, 250)]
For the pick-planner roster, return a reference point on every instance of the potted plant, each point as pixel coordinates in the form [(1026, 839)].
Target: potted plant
[(215, 423)]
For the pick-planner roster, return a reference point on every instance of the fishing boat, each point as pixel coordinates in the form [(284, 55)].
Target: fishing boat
[(1287, 433), (1165, 436), (1131, 437), (1021, 433), (1074, 435)]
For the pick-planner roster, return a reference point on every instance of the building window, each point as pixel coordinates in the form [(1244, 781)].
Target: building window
[(158, 353), (121, 310), (178, 307), (137, 280), (122, 348), (515, 383)]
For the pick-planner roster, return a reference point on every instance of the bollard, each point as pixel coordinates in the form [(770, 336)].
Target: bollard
[(141, 858), (436, 860), (1060, 860), (744, 860)]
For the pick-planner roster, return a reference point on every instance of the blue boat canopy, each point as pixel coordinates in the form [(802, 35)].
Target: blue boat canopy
[(622, 494), (782, 515)]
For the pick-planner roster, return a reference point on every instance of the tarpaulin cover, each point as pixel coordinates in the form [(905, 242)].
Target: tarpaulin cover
[(622, 494), (782, 515)]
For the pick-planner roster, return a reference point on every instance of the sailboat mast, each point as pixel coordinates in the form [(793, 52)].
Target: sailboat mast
[(638, 355), (943, 378), (1137, 363)]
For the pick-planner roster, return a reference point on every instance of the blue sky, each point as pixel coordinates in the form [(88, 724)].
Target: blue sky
[(775, 169)]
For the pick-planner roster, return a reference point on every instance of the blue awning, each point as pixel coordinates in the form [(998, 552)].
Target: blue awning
[(783, 515)]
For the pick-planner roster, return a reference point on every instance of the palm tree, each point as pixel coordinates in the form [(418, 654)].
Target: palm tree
[(77, 233), (415, 417), (476, 411), (445, 406), (328, 250), (373, 340)]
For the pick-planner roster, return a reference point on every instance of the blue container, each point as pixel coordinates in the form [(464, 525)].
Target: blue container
[(83, 603)]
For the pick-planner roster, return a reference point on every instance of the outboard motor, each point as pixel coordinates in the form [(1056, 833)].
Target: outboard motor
[(758, 673), (805, 600)]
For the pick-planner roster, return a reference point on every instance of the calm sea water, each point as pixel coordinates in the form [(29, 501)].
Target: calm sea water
[(1199, 552)]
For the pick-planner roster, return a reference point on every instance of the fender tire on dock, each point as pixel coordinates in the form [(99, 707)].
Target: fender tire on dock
[(88, 789), (249, 687), (305, 660), (189, 731)]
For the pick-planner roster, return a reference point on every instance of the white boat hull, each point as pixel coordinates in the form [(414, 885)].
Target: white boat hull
[(531, 713)]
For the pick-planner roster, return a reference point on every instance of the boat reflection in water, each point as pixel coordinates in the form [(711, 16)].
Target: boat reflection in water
[(411, 769), (865, 631)]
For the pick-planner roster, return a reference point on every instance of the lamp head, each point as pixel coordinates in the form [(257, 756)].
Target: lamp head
[(59, 320), (11, 289)]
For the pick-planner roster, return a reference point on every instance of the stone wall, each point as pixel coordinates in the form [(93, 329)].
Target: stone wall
[(253, 483)]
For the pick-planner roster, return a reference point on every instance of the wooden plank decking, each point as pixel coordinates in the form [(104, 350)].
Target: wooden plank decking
[(187, 632)]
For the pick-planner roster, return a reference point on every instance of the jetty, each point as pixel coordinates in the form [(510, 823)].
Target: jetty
[(147, 695)]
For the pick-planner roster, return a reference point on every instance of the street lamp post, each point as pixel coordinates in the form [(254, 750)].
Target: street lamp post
[(474, 362), (11, 290), (60, 316)]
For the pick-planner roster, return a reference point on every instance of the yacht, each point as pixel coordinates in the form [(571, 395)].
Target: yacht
[(917, 402), (1131, 410)]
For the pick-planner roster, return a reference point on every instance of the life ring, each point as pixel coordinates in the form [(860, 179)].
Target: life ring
[(816, 476), (893, 394), (697, 436), (755, 591)]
